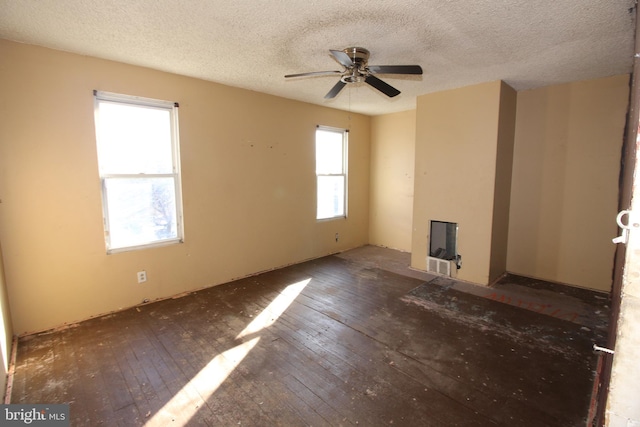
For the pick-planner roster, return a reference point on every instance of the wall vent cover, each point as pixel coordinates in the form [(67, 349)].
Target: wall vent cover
[(439, 266)]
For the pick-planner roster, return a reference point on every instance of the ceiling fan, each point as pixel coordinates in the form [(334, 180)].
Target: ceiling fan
[(356, 70)]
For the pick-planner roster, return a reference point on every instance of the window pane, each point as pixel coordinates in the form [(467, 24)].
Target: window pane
[(134, 139), (330, 196), (329, 152), (141, 210)]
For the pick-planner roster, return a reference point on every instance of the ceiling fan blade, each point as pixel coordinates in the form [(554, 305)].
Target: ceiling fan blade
[(342, 58), (395, 69), (335, 90), (383, 87), (314, 73)]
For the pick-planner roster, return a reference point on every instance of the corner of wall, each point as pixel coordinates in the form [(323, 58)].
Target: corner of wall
[(6, 327), (502, 187)]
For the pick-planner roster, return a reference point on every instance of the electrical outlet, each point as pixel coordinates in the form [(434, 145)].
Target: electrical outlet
[(142, 276), (337, 237)]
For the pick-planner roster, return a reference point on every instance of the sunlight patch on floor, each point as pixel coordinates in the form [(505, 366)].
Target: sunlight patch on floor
[(269, 315), (183, 405)]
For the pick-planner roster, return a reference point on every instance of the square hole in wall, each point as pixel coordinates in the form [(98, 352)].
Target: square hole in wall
[(443, 237)]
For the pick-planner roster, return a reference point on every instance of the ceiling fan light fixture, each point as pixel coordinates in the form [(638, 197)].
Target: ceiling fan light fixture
[(355, 76)]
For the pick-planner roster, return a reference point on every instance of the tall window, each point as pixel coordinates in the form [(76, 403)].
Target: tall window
[(331, 172), (138, 158)]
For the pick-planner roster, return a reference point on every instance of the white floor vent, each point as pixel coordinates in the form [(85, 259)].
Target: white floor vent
[(439, 266)]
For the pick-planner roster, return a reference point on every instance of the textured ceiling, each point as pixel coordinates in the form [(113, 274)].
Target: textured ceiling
[(253, 44)]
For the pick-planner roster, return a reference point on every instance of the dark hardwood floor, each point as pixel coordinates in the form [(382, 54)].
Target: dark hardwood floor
[(344, 340)]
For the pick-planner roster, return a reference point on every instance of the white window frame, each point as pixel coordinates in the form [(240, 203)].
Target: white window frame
[(345, 163), (172, 107)]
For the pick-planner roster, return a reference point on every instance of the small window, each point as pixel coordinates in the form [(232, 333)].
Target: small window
[(138, 158), (331, 172)]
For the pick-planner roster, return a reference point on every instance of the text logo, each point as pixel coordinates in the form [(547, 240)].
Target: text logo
[(40, 415)]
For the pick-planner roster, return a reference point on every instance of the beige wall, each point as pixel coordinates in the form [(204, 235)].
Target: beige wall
[(455, 172), (565, 181), (392, 164), (248, 183), (248, 187)]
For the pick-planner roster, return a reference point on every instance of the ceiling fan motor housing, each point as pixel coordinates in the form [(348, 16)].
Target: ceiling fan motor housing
[(358, 73), (358, 55)]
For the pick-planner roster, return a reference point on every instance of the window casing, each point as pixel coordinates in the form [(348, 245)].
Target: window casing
[(139, 166), (331, 172)]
